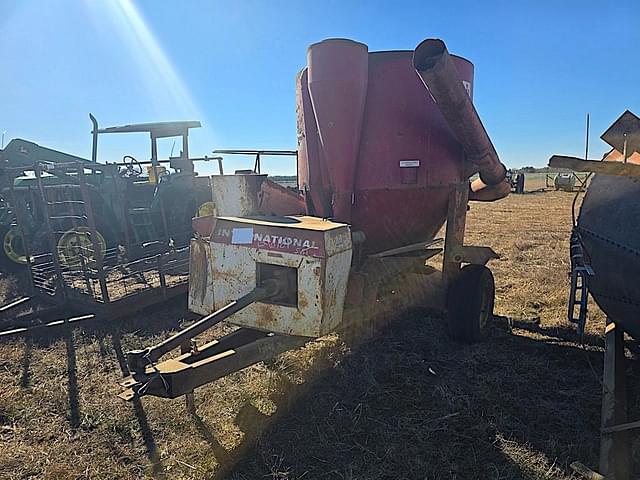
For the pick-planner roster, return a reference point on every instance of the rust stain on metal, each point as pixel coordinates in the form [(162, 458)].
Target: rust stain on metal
[(303, 302), (199, 271), (225, 275), (264, 316)]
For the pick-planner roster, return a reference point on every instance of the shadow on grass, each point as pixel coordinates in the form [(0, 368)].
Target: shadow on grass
[(72, 378), (535, 192), (222, 456), (249, 419), (117, 348), (410, 403), (74, 403), (567, 333), (25, 364), (157, 469)]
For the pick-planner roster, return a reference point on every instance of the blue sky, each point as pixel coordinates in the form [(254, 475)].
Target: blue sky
[(540, 67)]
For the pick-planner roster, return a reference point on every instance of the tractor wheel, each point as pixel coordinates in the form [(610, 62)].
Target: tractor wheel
[(5, 263), (13, 255), (75, 247), (470, 303)]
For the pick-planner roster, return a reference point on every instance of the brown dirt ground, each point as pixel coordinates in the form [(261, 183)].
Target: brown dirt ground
[(408, 403)]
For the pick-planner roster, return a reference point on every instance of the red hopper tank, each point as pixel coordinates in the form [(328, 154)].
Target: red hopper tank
[(374, 147)]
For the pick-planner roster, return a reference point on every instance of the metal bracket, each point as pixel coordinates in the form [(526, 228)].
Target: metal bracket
[(614, 442), (473, 254), (181, 375), (420, 247), (579, 289), (622, 427)]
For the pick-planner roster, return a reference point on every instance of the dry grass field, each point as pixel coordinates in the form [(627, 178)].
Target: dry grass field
[(406, 404)]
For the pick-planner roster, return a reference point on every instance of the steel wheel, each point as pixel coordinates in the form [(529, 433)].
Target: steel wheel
[(13, 246), (75, 247)]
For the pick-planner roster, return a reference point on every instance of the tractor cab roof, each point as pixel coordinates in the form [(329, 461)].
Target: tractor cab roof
[(156, 129)]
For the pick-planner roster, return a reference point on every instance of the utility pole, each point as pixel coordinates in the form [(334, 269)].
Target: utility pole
[(2, 145)]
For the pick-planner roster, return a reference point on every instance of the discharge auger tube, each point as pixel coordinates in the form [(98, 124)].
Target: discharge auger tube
[(438, 72)]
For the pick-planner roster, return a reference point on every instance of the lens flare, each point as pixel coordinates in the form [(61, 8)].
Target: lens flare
[(153, 67)]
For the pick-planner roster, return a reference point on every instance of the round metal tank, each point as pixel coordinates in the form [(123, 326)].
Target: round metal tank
[(564, 181), (610, 234), (374, 149)]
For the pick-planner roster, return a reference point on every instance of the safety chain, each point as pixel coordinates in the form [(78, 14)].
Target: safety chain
[(143, 389)]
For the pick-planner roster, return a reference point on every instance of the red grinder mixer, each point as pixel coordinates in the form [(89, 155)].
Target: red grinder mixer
[(387, 143), (380, 151)]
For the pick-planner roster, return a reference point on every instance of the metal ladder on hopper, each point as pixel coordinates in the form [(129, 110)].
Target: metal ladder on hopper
[(579, 291)]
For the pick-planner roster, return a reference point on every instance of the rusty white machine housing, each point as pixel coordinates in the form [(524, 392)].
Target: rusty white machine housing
[(309, 256), (386, 150)]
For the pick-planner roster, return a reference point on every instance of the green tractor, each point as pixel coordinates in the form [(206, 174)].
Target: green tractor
[(47, 197)]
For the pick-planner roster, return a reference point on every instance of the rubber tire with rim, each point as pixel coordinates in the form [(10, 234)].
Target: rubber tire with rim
[(470, 302)]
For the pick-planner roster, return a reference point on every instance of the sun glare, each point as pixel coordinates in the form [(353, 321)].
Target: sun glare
[(154, 68)]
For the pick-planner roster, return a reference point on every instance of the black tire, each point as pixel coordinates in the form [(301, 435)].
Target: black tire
[(520, 183), (470, 302)]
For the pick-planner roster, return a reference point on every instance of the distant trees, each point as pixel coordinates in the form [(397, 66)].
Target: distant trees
[(530, 169)]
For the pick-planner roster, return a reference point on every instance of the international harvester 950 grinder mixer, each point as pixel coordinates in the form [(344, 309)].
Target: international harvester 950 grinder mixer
[(387, 144)]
